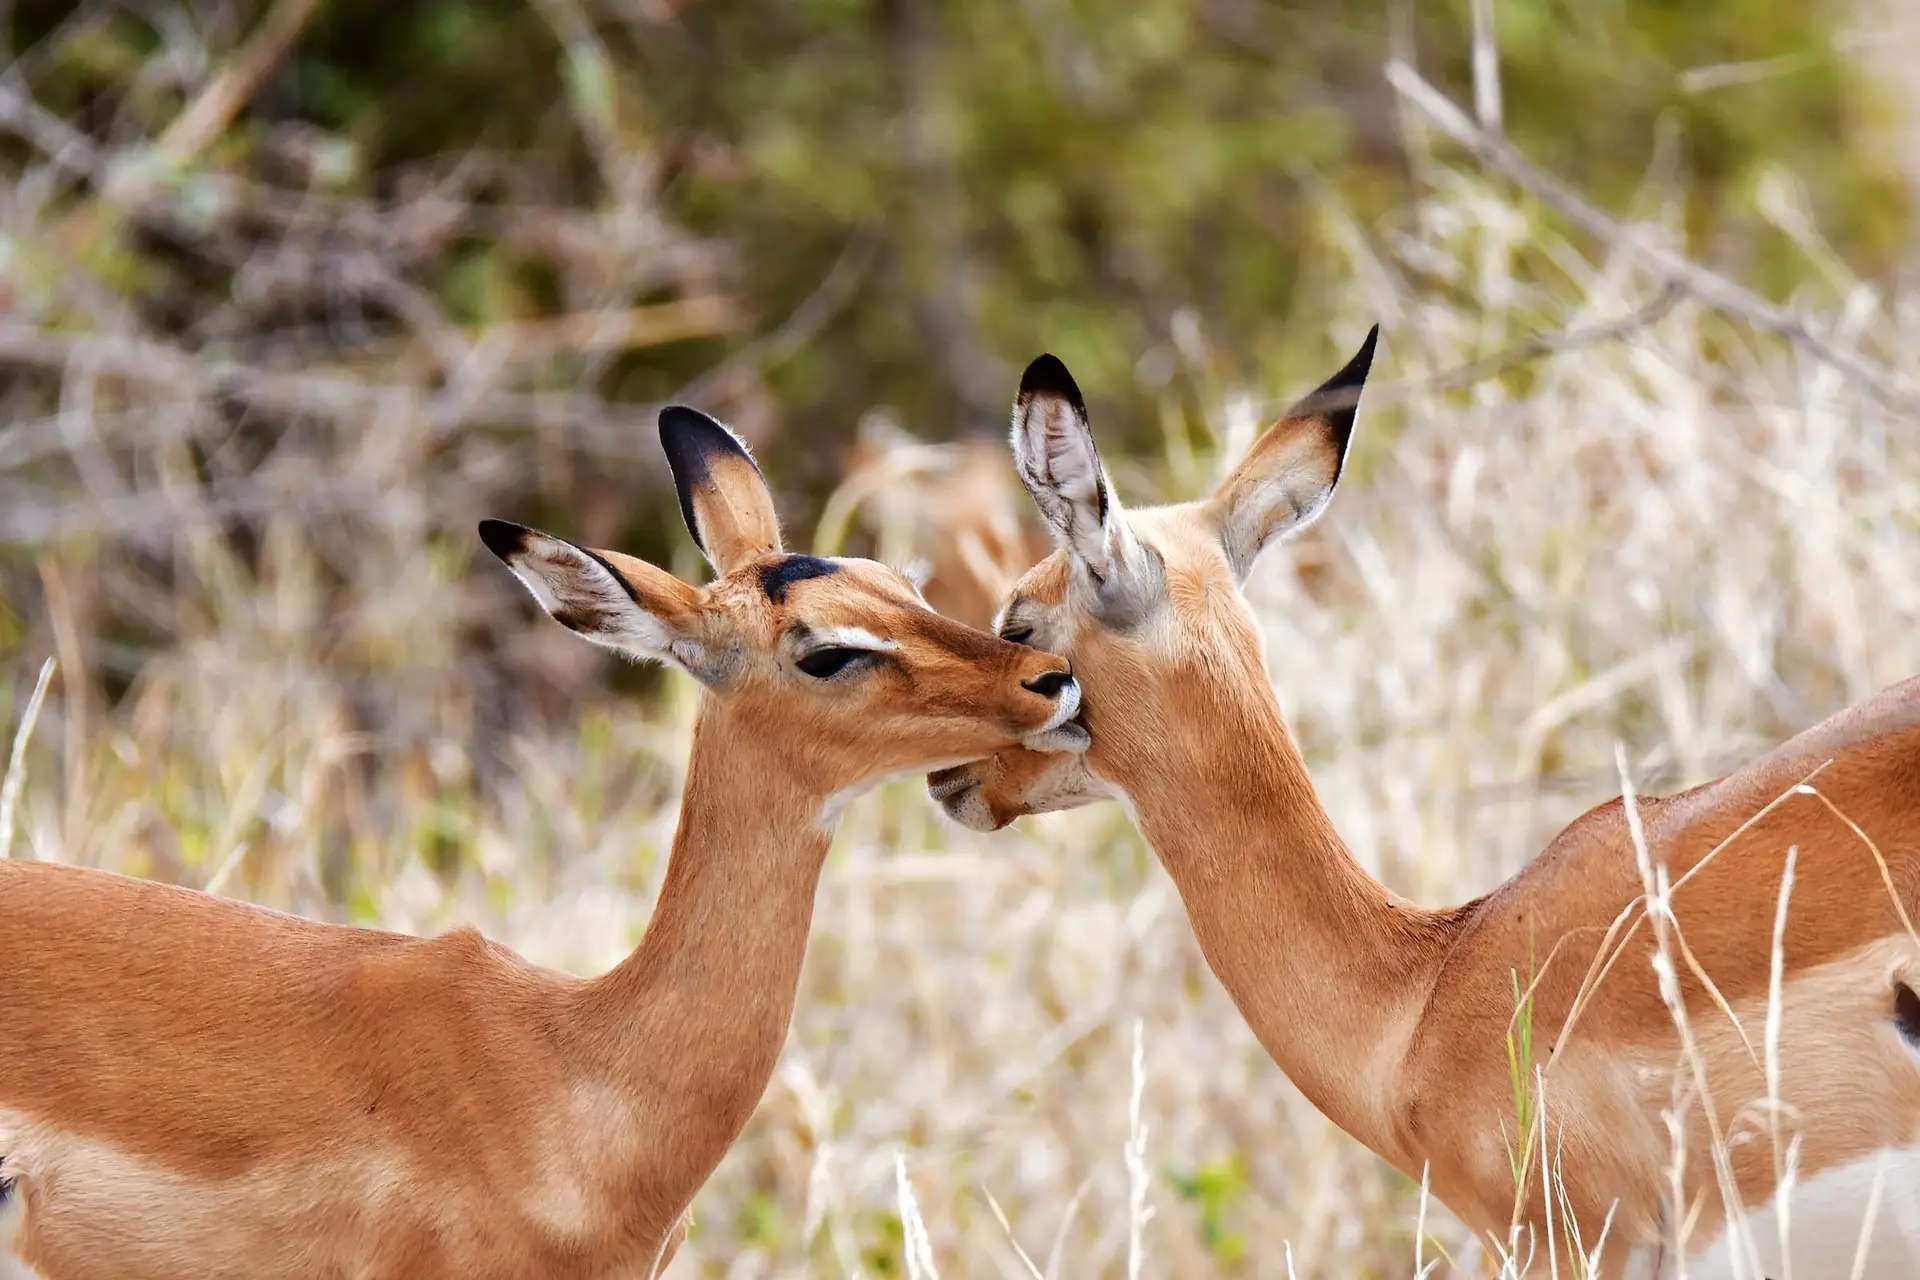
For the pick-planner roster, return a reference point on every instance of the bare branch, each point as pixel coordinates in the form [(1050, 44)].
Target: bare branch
[(33, 124), (835, 290), (220, 101), (1486, 68), (1709, 287), (1538, 346), (612, 429)]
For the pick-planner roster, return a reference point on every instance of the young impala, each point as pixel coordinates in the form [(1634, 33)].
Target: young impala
[(194, 1088), (1394, 1019)]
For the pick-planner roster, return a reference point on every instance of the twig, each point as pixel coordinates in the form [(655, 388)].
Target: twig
[(289, 488), (1710, 287), (1725, 75), (139, 360), (17, 763), (1783, 1170), (33, 124), (614, 429), (828, 299), (1138, 1180), (595, 332), (1540, 345), (581, 333), (914, 1245), (1863, 1248), (1000, 1216), (214, 108), (1486, 68)]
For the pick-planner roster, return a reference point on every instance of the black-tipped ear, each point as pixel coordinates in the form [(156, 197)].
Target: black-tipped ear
[(1054, 454), (1287, 478), (723, 497), (1048, 374), (504, 538), (1337, 400), (611, 599), (691, 440)]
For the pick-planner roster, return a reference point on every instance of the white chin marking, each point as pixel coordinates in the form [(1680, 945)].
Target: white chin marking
[(1068, 737), (1826, 1216), (1064, 710)]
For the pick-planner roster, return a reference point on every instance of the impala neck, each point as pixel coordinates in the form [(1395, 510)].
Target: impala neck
[(1327, 966), (696, 1017)]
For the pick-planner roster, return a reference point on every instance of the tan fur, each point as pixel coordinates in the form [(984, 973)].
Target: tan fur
[(735, 514), (198, 1088), (1394, 1019)]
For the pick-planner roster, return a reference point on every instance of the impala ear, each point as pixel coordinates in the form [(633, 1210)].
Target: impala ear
[(1054, 453), (723, 497), (1287, 478), (615, 601)]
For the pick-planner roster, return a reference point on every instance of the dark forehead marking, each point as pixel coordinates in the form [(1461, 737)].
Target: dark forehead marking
[(778, 575)]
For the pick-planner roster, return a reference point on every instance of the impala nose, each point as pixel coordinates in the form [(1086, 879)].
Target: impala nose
[(1048, 684)]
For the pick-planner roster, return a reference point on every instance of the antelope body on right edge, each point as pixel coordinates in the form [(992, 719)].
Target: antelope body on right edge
[(1664, 1150)]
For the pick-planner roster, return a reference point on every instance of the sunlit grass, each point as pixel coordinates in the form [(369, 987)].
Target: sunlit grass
[(1681, 541)]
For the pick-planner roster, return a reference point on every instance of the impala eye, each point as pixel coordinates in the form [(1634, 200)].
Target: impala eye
[(822, 664), (1018, 635)]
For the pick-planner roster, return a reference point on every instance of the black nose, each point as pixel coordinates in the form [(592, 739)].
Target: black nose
[(1048, 685)]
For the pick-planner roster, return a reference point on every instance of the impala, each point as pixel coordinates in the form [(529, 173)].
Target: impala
[(196, 1088), (1639, 919)]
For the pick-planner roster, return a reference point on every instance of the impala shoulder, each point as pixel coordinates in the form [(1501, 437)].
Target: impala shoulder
[(456, 976), (466, 947)]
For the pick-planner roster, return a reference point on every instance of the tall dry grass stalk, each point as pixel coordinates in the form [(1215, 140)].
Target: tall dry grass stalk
[(1686, 539)]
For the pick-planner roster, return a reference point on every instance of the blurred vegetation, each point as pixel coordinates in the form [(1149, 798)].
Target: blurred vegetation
[(443, 259), (440, 259), (994, 178)]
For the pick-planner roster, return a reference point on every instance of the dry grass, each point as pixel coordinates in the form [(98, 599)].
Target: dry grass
[(1685, 540)]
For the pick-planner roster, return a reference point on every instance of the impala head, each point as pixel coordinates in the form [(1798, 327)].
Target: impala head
[(835, 664), (1146, 604)]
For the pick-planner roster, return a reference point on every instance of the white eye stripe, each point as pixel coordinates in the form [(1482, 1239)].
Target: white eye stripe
[(852, 638)]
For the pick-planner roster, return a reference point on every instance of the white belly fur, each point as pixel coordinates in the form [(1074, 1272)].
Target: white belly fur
[(1826, 1216)]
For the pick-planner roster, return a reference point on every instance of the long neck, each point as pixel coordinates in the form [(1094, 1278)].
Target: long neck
[(692, 1023), (1328, 967)]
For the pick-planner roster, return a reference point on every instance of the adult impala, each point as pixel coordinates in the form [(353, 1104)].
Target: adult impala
[(196, 1088), (1394, 1019)]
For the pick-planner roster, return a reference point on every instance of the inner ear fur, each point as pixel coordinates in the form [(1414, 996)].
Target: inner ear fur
[(1054, 454), (1288, 477), (611, 599), (723, 497)]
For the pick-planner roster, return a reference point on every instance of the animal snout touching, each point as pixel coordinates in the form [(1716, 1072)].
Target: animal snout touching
[(944, 784), (960, 792), (1048, 684), (1061, 732)]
